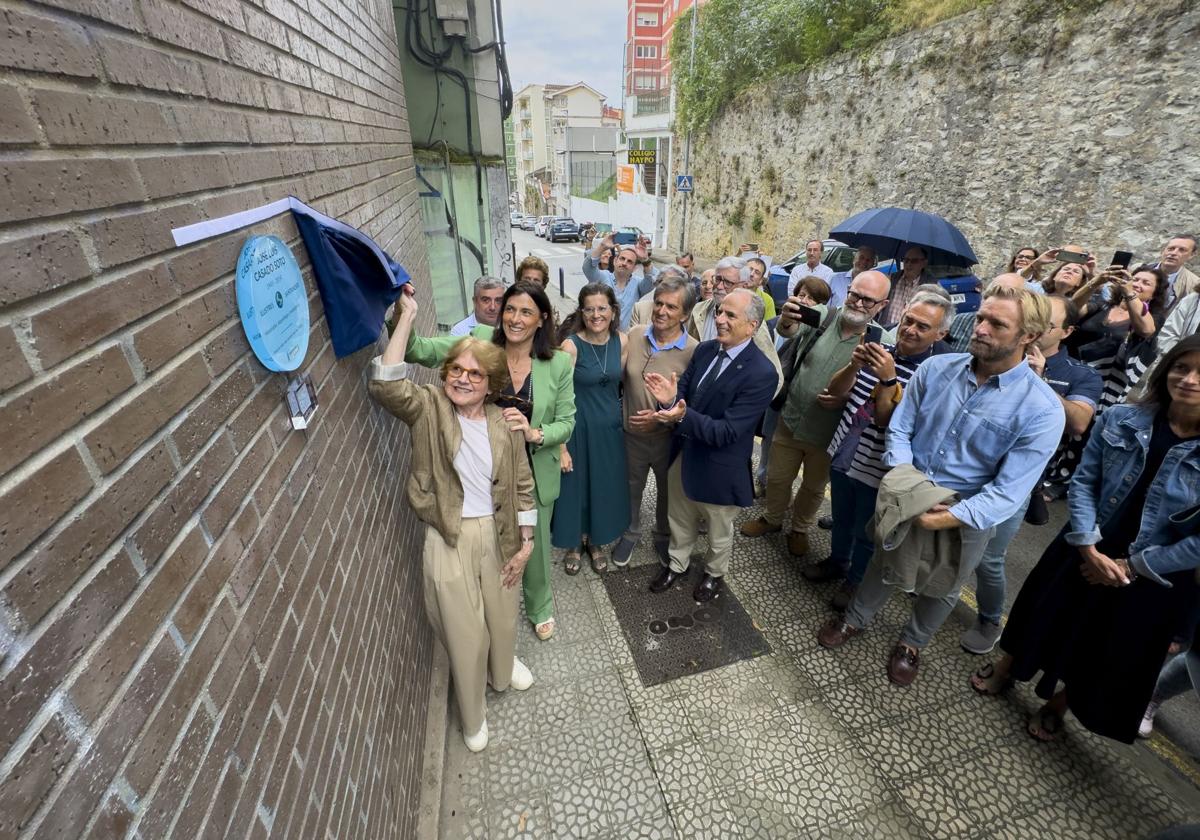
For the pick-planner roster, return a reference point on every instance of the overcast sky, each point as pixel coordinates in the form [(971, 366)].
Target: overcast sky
[(562, 42)]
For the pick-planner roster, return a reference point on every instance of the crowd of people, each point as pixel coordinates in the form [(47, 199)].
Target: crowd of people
[(938, 432)]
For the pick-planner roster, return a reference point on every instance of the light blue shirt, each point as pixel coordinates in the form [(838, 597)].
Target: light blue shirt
[(627, 297), (678, 344), (730, 354), (839, 284), (989, 443)]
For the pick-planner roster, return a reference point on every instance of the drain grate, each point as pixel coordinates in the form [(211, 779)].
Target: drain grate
[(671, 635)]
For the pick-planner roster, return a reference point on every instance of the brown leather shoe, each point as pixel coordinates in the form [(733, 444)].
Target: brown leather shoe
[(836, 632), (797, 543), (903, 664), (759, 527)]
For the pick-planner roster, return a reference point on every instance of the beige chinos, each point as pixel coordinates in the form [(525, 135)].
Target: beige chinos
[(685, 514), (472, 613)]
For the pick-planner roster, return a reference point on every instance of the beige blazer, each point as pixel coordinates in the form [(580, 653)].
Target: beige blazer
[(434, 490), (1186, 282), (762, 338)]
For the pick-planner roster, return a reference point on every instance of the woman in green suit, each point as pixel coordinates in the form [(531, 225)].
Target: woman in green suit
[(539, 401)]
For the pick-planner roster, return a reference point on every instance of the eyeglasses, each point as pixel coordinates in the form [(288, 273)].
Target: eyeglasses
[(596, 310), (474, 375), (854, 297), (724, 281)]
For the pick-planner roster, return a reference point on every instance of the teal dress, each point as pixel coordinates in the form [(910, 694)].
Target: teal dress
[(595, 495)]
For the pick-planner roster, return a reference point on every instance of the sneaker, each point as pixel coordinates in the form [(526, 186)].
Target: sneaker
[(981, 638), (478, 741), (827, 569), (522, 677), (1146, 727), (623, 551), (759, 527)]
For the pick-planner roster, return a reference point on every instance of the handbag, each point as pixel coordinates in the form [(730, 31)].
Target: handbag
[(792, 356)]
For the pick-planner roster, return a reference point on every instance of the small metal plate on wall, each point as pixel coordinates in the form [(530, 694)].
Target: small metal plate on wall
[(671, 635)]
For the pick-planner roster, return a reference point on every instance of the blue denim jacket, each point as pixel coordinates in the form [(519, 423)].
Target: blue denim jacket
[(1169, 538)]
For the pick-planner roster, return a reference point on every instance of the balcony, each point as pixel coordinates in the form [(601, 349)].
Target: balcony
[(645, 104)]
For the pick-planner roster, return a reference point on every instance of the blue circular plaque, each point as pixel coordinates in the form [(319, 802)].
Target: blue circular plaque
[(272, 302)]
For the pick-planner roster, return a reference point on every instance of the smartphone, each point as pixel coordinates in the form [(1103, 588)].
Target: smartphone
[(874, 334), (624, 238), (753, 246), (1121, 258), (1072, 257), (808, 316)]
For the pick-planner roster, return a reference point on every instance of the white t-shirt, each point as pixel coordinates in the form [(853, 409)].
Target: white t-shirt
[(465, 325), (473, 463), (802, 270)]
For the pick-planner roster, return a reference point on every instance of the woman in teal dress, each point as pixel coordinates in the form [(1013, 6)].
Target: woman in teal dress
[(593, 507), (539, 402)]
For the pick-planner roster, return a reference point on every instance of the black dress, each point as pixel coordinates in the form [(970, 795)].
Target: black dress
[(1106, 644)]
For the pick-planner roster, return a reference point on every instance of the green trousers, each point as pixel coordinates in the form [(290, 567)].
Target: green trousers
[(539, 600)]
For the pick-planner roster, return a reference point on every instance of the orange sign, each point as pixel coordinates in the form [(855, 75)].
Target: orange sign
[(624, 178)]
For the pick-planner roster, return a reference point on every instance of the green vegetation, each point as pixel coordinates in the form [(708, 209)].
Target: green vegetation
[(740, 44), (756, 224)]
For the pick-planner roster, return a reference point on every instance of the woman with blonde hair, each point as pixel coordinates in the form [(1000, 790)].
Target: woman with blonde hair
[(470, 482)]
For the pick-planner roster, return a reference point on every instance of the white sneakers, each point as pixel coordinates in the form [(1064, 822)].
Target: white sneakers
[(1146, 727), (522, 677), (478, 741)]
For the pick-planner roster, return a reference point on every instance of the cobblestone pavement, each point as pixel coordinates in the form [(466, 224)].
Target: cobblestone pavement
[(801, 743)]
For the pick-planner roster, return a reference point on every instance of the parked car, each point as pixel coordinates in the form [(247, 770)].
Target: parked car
[(563, 229), (837, 255), (528, 222), (543, 225), (515, 219)]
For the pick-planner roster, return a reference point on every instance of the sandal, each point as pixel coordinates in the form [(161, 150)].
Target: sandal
[(986, 682), (1045, 725), (571, 564), (544, 630), (598, 558)]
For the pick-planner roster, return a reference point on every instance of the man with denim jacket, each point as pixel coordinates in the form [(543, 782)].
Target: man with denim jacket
[(982, 424)]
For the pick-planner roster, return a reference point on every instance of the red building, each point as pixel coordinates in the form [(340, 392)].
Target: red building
[(648, 28)]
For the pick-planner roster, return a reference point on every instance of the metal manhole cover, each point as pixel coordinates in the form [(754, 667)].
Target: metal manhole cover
[(671, 635)]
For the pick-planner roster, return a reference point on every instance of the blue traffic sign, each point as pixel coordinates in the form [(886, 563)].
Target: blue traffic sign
[(683, 183), (272, 302)]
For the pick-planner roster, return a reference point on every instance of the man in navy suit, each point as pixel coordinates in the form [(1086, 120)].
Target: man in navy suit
[(714, 407)]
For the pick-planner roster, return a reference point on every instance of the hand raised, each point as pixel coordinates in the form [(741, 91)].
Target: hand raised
[(661, 388)]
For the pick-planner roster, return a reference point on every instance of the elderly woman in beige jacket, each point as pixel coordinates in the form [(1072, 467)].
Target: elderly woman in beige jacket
[(470, 482)]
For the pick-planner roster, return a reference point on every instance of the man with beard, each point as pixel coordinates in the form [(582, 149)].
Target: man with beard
[(982, 425), (622, 280), (810, 413)]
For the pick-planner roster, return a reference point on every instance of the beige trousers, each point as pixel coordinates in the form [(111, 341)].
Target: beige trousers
[(788, 457), (685, 515), (472, 613)]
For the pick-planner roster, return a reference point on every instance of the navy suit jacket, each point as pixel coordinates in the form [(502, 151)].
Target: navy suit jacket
[(716, 436)]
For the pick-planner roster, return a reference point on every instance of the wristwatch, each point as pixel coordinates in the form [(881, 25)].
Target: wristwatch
[(888, 383)]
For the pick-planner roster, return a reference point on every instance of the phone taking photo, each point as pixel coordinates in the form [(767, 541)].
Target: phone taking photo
[(808, 316), (1071, 256), (1122, 258), (873, 335)]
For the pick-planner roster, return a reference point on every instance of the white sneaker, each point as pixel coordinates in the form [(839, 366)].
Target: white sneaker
[(1146, 727), (522, 677), (478, 741)]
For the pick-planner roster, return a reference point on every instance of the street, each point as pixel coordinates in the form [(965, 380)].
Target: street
[(564, 256)]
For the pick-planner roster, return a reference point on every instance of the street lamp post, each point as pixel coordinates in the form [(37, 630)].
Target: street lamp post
[(687, 139)]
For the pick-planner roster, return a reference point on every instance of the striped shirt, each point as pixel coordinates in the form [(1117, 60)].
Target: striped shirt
[(858, 444)]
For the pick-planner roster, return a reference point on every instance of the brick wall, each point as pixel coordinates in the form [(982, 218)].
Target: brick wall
[(209, 624)]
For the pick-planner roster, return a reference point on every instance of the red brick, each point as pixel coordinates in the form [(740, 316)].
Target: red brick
[(17, 127), (259, 770), (121, 238), (129, 62), (170, 334), (58, 563), (79, 322), (115, 439), (153, 748), (91, 777), (32, 680), (32, 189), (49, 45), (172, 175), (14, 367), (88, 119), (33, 419), (112, 820), (226, 346), (32, 506), (156, 819), (220, 509), (170, 515), (24, 790), (184, 28), (110, 665), (41, 263)]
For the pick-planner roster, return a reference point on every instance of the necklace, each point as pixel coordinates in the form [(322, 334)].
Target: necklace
[(604, 380)]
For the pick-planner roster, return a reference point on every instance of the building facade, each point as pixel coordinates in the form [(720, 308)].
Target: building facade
[(542, 115)]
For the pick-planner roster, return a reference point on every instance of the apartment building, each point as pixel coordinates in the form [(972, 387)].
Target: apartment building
[(542, 114)]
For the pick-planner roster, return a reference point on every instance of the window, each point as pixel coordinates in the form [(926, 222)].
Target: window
[(647, 18), (646, 52), (643, 82)]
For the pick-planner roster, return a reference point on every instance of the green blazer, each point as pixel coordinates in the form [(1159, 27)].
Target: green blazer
[(553, 404)]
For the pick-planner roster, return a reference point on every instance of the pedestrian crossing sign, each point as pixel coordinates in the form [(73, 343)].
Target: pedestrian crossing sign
[(683, 183)]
